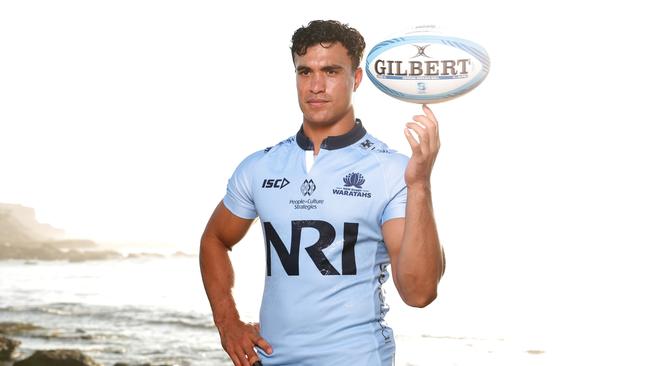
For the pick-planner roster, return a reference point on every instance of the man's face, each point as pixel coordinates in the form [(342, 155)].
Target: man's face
[(325, 82)]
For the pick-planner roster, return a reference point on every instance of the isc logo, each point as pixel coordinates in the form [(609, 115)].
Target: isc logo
[(326, 236), (275, 183)]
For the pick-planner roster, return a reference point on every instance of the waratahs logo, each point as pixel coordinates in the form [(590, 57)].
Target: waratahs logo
[(354, 179), (353, 186)]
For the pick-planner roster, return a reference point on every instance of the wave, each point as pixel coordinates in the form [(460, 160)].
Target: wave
[(127, 313)]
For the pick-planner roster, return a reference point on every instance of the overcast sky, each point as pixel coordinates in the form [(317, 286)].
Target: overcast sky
[(121, 121)]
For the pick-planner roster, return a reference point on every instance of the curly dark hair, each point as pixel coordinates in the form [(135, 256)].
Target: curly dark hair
[(325, 33)]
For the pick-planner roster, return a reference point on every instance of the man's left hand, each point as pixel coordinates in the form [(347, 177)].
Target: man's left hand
[(424, 151)]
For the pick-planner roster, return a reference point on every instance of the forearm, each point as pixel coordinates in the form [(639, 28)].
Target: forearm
[(218, 280), (420, 261)]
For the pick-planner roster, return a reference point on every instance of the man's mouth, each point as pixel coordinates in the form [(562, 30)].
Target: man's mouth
[(317, 102)]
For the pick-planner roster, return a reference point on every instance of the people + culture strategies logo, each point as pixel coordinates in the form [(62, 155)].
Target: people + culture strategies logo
[(307, 189)]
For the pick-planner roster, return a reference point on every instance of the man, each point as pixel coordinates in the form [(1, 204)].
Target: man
[(336, 207)]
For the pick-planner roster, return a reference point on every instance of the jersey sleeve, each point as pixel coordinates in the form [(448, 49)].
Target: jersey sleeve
[(239, 193), (396, 188)]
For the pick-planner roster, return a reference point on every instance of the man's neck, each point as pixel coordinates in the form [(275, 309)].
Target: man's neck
[(319, 133)]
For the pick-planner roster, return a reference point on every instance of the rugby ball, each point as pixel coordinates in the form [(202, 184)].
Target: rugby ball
[(424, 66)]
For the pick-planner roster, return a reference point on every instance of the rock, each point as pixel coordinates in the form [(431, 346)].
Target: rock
[(145, 255), (57, 357), (11, 328), (77, 256), (41, 251), (182, 254), (7, 348), (47, 252), (73, 244)]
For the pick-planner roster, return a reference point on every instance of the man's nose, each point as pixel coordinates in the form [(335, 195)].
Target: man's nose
[(317, 83)]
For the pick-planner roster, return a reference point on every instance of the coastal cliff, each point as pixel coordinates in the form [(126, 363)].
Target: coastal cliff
[(18, 224), (23, 237)]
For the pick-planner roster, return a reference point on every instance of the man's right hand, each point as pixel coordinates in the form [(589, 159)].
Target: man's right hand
[(239, 339)]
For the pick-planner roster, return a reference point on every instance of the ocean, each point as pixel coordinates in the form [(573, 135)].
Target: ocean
[(154, 310)]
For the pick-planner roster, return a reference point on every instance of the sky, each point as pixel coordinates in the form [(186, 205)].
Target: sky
[(121, 122)]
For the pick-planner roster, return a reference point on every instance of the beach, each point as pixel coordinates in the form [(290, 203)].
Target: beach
[(154, 310)]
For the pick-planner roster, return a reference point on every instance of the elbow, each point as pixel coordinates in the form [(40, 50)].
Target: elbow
[(209, 242), (417, 294), (421, 301)]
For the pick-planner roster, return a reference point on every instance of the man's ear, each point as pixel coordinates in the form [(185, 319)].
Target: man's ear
[(358, 75)]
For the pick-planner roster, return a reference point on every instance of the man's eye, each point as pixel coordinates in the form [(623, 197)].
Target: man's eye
[(303, 72)]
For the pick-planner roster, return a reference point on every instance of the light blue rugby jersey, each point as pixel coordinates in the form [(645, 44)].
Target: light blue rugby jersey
[(325, 257)]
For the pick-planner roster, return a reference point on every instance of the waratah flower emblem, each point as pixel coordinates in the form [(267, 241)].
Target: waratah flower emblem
[(354, 179)]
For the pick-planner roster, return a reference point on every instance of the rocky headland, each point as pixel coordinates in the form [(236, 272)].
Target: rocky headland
[(22, 237), (10, 354)]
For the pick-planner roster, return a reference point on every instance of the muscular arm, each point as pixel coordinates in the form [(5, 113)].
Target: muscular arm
[(417, 258), (222, 232)]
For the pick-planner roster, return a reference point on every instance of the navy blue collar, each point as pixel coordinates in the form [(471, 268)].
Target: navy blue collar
[(333, 142)]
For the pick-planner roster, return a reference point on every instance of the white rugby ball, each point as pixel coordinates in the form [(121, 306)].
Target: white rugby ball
[(425, 66)]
